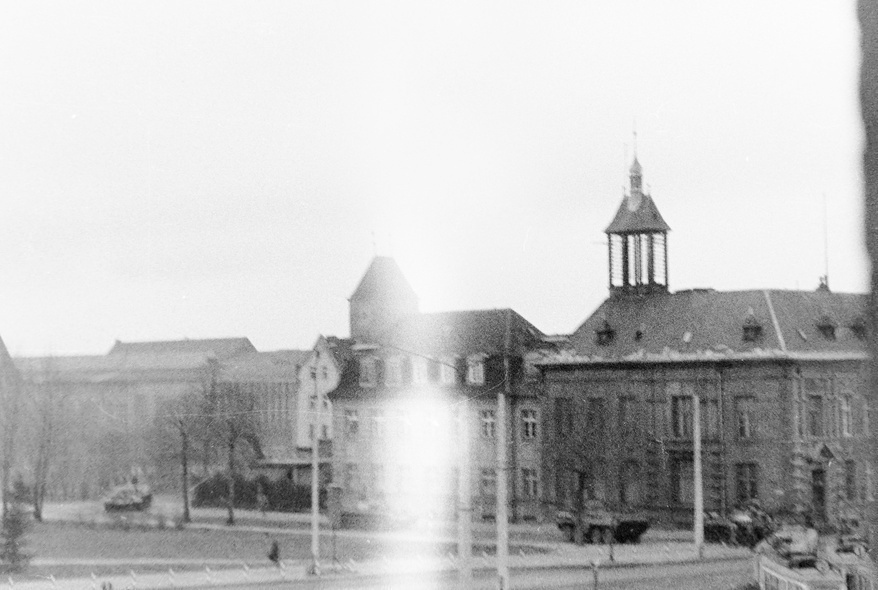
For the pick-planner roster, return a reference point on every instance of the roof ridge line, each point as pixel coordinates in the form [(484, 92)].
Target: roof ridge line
[(775, 323)]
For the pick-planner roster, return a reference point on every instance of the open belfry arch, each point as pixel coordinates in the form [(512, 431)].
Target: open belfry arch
[(637, 241)]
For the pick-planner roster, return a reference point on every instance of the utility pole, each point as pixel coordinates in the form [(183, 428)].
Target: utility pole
[(315, 473), (464, 499), (696, 467), (502, 517)]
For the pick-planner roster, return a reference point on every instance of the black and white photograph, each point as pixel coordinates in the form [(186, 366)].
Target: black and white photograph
[(438, 295)]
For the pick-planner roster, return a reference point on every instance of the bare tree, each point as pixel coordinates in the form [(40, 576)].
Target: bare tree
[(10, 398), (47, 409), (236, 422)]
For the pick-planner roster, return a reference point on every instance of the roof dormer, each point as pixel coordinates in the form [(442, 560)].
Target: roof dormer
[(826, 326), (751, 328)]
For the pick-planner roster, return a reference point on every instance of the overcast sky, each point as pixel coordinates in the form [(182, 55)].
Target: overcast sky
[(211, 169)]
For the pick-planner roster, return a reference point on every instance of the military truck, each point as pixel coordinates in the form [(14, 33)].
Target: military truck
[(595, 524)]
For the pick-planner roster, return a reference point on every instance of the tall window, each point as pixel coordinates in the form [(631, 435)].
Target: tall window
[(745, 417), (529, 483), (681, 416), (529, 424), (368, 373), (594, 415), (421, 371), (845, 416), (815, 415), (475, 370), (682, 480), (447, 372), (488, 483), (352, 422), (746, 482), (488, 423), (563, 417)]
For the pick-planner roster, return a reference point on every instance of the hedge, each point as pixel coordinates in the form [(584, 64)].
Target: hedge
[(283, 495)]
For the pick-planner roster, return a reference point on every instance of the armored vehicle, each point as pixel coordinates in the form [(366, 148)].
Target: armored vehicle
[(595, 524), (130, 496)]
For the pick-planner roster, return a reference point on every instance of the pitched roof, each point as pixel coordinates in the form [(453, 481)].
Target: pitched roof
[(382, 278), (121, 367), (708, 324), (463, 333), (277, 366), (220, 347), (637, 213)]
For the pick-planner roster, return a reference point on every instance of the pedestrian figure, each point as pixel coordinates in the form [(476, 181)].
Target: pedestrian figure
[(274, 554)]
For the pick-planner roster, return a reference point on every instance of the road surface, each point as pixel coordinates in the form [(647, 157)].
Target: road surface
[(724, 575)]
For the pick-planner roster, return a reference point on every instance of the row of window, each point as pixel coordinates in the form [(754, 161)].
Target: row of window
[(751, 331), (377, 477), (487, 424), (402, 370), (831, 416), (530, 483), (817, 417)]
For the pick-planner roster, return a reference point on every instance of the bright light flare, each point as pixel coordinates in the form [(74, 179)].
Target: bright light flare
[(420, 452)]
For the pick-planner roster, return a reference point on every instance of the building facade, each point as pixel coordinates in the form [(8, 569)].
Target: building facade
[(406, 386), (780, 378), (109, 410)]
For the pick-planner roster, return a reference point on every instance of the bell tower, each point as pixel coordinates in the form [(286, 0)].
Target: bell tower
[(637, 240)]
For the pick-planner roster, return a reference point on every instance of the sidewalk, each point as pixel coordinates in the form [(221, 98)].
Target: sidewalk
[(565, 556)]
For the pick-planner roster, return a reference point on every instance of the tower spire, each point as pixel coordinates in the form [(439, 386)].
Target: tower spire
[(637, 240)]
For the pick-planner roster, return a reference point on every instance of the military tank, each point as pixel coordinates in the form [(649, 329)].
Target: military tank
[(128, 497)]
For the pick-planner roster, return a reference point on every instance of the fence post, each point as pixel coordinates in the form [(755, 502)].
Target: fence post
[(594, 572)]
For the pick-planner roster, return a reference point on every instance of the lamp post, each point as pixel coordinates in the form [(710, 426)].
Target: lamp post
[(315, 473), (502, 468), (696, 477), (464, 499)]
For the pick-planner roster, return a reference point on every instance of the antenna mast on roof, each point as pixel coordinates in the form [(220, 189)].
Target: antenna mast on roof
[(634, 126), (825, 280)]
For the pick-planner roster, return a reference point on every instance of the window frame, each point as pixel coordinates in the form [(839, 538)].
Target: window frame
[(475, 369), (530, 483), (420, 371), (529, 424), (368, 372), (448, 371), (488, 424)]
